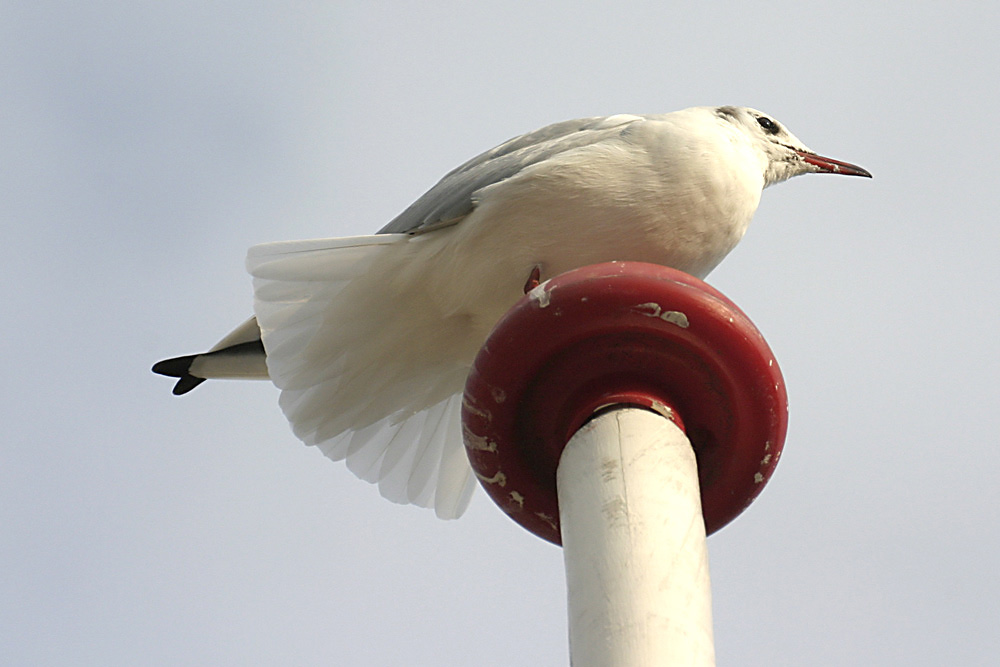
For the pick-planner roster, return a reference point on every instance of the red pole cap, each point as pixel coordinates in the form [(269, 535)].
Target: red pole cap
[(623, 333)]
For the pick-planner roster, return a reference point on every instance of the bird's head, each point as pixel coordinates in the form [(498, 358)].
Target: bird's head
[(783, 155)]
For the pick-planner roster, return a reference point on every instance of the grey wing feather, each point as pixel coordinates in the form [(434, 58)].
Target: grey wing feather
[(454, 196)]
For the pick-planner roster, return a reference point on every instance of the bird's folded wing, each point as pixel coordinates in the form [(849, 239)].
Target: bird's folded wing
[(454, 196)]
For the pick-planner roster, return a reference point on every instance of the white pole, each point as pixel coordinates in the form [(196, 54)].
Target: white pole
[(634, 544)]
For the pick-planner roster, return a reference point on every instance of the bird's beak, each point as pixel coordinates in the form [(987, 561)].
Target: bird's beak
[(827, 165)]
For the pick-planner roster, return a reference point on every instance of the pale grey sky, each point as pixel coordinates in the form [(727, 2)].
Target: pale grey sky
[(145, 146)]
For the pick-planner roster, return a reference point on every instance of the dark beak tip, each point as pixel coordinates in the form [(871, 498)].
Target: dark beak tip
[(863, 173)]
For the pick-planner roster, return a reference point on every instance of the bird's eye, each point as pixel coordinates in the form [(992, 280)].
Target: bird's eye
[(769, 125)]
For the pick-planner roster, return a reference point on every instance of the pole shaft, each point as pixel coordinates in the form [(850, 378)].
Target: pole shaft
[(634, 544)]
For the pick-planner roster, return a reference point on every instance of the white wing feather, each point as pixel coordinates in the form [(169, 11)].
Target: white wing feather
[(336, 356)]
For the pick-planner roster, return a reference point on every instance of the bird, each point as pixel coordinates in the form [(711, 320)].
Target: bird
[(370, 338)]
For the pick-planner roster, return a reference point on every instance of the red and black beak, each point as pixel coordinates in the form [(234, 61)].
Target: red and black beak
[(830, 166)]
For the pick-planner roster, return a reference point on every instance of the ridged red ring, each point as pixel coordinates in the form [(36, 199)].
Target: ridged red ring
[(623, 332)]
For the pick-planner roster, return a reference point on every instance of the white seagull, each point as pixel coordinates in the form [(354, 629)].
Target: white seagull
[(370, 338)]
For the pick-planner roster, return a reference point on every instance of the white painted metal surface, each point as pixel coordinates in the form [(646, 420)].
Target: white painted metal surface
[(634, 544)]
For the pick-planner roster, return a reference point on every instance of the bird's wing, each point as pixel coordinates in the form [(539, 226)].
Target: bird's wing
[(453, 197), (339, 371)]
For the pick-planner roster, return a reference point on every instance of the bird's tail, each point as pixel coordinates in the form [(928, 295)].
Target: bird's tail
[(347, 345)]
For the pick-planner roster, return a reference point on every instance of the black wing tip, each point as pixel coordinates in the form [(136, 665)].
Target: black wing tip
[(178, 367), (186, 384)]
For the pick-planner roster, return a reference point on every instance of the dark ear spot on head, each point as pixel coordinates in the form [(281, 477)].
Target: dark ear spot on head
[(726, 113)]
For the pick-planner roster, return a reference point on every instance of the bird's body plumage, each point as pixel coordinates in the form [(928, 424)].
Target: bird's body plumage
[(370, 338)]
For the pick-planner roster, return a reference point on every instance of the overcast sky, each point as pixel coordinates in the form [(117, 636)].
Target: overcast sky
[(145, 146)]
